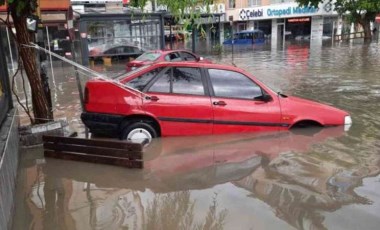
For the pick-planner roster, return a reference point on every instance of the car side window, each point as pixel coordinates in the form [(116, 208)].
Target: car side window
[(173, 57), (120, 50), (232, 84), (180, 81), (128, 49), (188, 81), (162, 85), (110, 51), (142, 81), (187, 56), (136, 50)]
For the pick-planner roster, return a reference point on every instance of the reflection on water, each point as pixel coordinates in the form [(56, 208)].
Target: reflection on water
[(268, 180), (306, 179)]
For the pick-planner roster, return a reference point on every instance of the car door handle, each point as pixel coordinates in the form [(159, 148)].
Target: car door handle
[(222, 103), (152, 98)]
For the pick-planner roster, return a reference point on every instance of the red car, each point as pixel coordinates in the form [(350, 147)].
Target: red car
[(154, 56), (194, 98)]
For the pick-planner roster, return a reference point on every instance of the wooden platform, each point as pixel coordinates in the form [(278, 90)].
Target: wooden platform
[(95, 151)]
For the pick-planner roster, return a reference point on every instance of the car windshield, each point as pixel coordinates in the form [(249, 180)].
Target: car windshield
[(130, 73), (148, 56)]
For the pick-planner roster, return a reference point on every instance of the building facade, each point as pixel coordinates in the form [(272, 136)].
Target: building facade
[(283, 19)]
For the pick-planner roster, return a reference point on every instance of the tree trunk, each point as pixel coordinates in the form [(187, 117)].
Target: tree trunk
[(366, 24), (41, 112)]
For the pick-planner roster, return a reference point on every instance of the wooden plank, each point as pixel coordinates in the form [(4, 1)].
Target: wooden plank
[(94, 159), (93, 142), (93, 150)]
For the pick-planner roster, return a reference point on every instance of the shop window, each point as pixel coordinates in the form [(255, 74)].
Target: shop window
[(231, 4), (280, 1), (254, 3)]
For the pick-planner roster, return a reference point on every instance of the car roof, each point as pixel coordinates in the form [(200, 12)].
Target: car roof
[(250, 31), (196, 64), (104, 47), (166, 51)]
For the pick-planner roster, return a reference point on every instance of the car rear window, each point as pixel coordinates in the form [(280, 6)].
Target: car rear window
[(149, 56), (142, 81), (130, 73)]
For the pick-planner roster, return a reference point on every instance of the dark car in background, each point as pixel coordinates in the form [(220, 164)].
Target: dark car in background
[(154, 56), (115, 52)]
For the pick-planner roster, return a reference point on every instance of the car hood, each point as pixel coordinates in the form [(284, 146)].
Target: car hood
[(295, 109), (313, 104)]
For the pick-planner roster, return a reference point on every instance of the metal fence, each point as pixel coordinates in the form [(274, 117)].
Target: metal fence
[(8, 170)]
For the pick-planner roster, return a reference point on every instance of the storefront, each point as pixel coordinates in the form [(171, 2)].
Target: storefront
[(5, 93), (53, 34), (288, 21)]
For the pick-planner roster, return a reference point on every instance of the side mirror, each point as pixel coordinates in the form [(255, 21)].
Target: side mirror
[(263, 97)]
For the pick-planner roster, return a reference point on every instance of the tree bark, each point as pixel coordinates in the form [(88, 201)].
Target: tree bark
[(41, 112), (367, 30), (366, 24)]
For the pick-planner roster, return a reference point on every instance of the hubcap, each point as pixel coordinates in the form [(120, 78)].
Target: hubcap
[(139, 136)]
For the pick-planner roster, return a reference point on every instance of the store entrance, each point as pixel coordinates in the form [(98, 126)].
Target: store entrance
[(265, 26), (298, 28)]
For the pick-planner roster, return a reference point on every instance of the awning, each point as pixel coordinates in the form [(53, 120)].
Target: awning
[(52, 11), (377, 20), (48, 5)]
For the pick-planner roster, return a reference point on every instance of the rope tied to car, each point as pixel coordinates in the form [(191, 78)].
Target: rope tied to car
[(94, 74)]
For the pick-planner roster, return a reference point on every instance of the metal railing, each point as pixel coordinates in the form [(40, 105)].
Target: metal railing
[(348, 36)]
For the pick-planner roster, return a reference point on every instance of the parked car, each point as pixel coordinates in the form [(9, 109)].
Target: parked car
[(246, 37), (150, 57), (193, 98), (114, 51)]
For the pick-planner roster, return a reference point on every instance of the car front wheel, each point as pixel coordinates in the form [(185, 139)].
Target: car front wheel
[(139, 132)]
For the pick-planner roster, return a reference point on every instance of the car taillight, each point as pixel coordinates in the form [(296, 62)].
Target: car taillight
[(86, 95)]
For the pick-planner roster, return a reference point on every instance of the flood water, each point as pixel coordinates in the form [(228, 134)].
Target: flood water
[(309, 179)]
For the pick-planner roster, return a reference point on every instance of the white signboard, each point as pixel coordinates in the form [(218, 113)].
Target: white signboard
[(316, 28), (284, 11), (84, 2)]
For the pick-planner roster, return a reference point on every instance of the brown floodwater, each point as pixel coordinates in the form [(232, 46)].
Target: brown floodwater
[(305, 179)]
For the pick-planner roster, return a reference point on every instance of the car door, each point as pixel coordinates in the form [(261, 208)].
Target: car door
[(181, 102), (234, 106)]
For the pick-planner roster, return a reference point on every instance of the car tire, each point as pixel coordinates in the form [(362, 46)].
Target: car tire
[(139, 132)]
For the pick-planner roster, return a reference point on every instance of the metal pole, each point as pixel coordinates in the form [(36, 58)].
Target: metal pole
[(193, 35), (10, 50), (283, 35), (170, 36), (51, 66), (51, 60), (233, 41), (162, 32)]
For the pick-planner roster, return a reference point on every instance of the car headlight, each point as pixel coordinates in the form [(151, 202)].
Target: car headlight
[(347, 120)]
